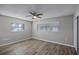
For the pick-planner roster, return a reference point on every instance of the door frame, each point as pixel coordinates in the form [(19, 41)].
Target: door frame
[(77, 32)]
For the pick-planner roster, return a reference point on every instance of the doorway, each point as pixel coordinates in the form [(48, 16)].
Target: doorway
[(78, 34)]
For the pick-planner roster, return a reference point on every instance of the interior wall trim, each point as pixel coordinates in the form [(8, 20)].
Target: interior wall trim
[(53, 42), (14, 42), (38, 39)]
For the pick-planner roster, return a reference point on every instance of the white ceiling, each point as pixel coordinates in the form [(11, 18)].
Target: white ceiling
[(49, 10)]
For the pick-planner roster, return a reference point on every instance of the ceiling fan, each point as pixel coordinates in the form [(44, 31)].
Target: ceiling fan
[(34, 14)]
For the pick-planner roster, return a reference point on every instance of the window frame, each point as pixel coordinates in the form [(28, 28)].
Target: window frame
[(16, 28)]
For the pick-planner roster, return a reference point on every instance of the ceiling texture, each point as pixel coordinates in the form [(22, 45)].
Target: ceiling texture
[(49, 10)]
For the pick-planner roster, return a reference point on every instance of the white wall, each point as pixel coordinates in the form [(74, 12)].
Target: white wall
[(6, 36), (75, 32), (65, 34), (75, 26)]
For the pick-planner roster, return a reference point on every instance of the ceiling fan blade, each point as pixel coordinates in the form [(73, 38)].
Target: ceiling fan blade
[(39, 17), (39, 14), (34, 15)]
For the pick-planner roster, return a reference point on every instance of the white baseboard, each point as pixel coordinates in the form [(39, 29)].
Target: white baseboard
[(37, 39), (53, 42), (14, 42)]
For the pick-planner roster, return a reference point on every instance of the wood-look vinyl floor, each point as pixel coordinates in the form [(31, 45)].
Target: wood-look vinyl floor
[(36, 47)]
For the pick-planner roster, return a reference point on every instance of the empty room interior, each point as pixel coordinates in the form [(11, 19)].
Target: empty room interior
[(39, 29)]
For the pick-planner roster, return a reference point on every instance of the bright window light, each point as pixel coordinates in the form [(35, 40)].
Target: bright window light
[(17, 27), (49, 27), (13, 25)]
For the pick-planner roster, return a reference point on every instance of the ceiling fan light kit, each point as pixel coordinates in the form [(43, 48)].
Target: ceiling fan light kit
[(34, 17)]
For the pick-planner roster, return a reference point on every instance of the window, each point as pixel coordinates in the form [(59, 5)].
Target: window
[(17, 27), (48, 27)]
